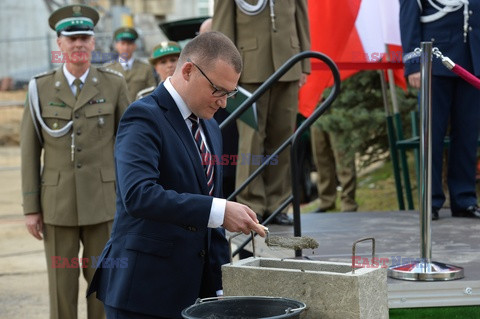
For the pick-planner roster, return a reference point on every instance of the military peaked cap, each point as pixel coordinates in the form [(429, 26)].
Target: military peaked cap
[(163, 49), (125, 34), (74, 20)]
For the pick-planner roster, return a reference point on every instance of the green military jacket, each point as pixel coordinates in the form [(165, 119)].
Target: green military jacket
[(263, 49), (139, 77), (73, 183)]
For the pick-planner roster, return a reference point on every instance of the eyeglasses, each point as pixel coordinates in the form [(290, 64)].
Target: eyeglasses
[(216, 91)]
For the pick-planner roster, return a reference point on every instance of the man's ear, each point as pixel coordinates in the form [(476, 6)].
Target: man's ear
[(187, 71)]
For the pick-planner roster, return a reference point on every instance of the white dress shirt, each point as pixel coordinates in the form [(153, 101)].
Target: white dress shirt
[(70, 78), (217, 211), (127, 65)]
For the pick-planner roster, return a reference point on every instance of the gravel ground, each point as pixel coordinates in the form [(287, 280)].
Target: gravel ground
[(23, 271)]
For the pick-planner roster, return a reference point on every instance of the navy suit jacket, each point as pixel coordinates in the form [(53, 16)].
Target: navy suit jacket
[(445, 33), (161, 253)]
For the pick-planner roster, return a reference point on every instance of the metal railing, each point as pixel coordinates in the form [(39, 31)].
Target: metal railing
[(293, 140)]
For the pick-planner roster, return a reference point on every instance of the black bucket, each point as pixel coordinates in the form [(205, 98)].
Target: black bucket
[(244, 308)]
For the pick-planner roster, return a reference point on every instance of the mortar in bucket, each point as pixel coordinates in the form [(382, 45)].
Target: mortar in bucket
[(244, 307)]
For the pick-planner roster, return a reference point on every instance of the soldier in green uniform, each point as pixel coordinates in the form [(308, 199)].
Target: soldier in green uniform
[(164, 59), (267, 34), (71, 117), (139, 74)]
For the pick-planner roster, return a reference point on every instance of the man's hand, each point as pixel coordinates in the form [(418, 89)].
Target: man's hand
[(414, 80), (240, 218), (303, 79), (34, 223)]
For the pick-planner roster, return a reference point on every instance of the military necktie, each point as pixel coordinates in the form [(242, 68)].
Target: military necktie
[(78, 85), (204, 153)]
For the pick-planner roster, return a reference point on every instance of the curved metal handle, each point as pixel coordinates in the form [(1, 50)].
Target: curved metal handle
[(230, 244), (288, 310), (200, 300), (299, 309), (354, 248)]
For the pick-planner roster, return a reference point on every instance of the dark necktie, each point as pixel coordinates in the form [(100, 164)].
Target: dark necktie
[(204, 153), (78, 84)]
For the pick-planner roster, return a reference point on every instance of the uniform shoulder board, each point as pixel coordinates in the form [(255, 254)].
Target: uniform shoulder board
[(104, 69), (143, 61), (39, 75)]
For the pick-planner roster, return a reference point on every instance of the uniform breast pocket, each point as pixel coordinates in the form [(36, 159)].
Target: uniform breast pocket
[(138, 81), (56, 117), (248, 49), (100, 118), (249, 44)]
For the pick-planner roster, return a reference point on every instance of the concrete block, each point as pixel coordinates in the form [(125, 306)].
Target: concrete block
[(329, 289)]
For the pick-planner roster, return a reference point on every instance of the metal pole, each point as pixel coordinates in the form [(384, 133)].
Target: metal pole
[(392, 143), (425, 269), (397, 120), (426, 152)]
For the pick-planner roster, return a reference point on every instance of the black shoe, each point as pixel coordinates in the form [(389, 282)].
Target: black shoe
[(324, 210), (282, 219), (435, 215), (469, 212)]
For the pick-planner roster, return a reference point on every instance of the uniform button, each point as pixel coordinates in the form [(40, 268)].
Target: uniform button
[(470, 12), (79, 132), (79, 165), (79, 149), (202, 253), (100, 111), (432, 39), (56, 114), (470, 29), (77, 116), (191, 228)]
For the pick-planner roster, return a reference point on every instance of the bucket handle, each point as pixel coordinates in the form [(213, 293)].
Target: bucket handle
[(354, 247), (288, 310), (230, 245)]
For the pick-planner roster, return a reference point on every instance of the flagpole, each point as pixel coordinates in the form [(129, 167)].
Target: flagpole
[(392, 142), (397, 120), (424, 269)]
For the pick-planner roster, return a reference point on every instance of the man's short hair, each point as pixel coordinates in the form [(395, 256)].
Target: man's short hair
[(208, 47)]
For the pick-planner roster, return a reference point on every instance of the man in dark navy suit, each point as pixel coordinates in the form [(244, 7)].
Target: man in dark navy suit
[(454, 28), (166, 247)]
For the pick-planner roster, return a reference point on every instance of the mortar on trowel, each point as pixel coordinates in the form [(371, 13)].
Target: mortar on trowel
[(295, 243)]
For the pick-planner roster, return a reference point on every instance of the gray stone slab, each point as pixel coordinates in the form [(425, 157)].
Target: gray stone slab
[(329, 289), (454, 241)]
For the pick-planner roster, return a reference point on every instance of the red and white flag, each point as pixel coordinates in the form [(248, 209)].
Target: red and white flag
[(352, 33)]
